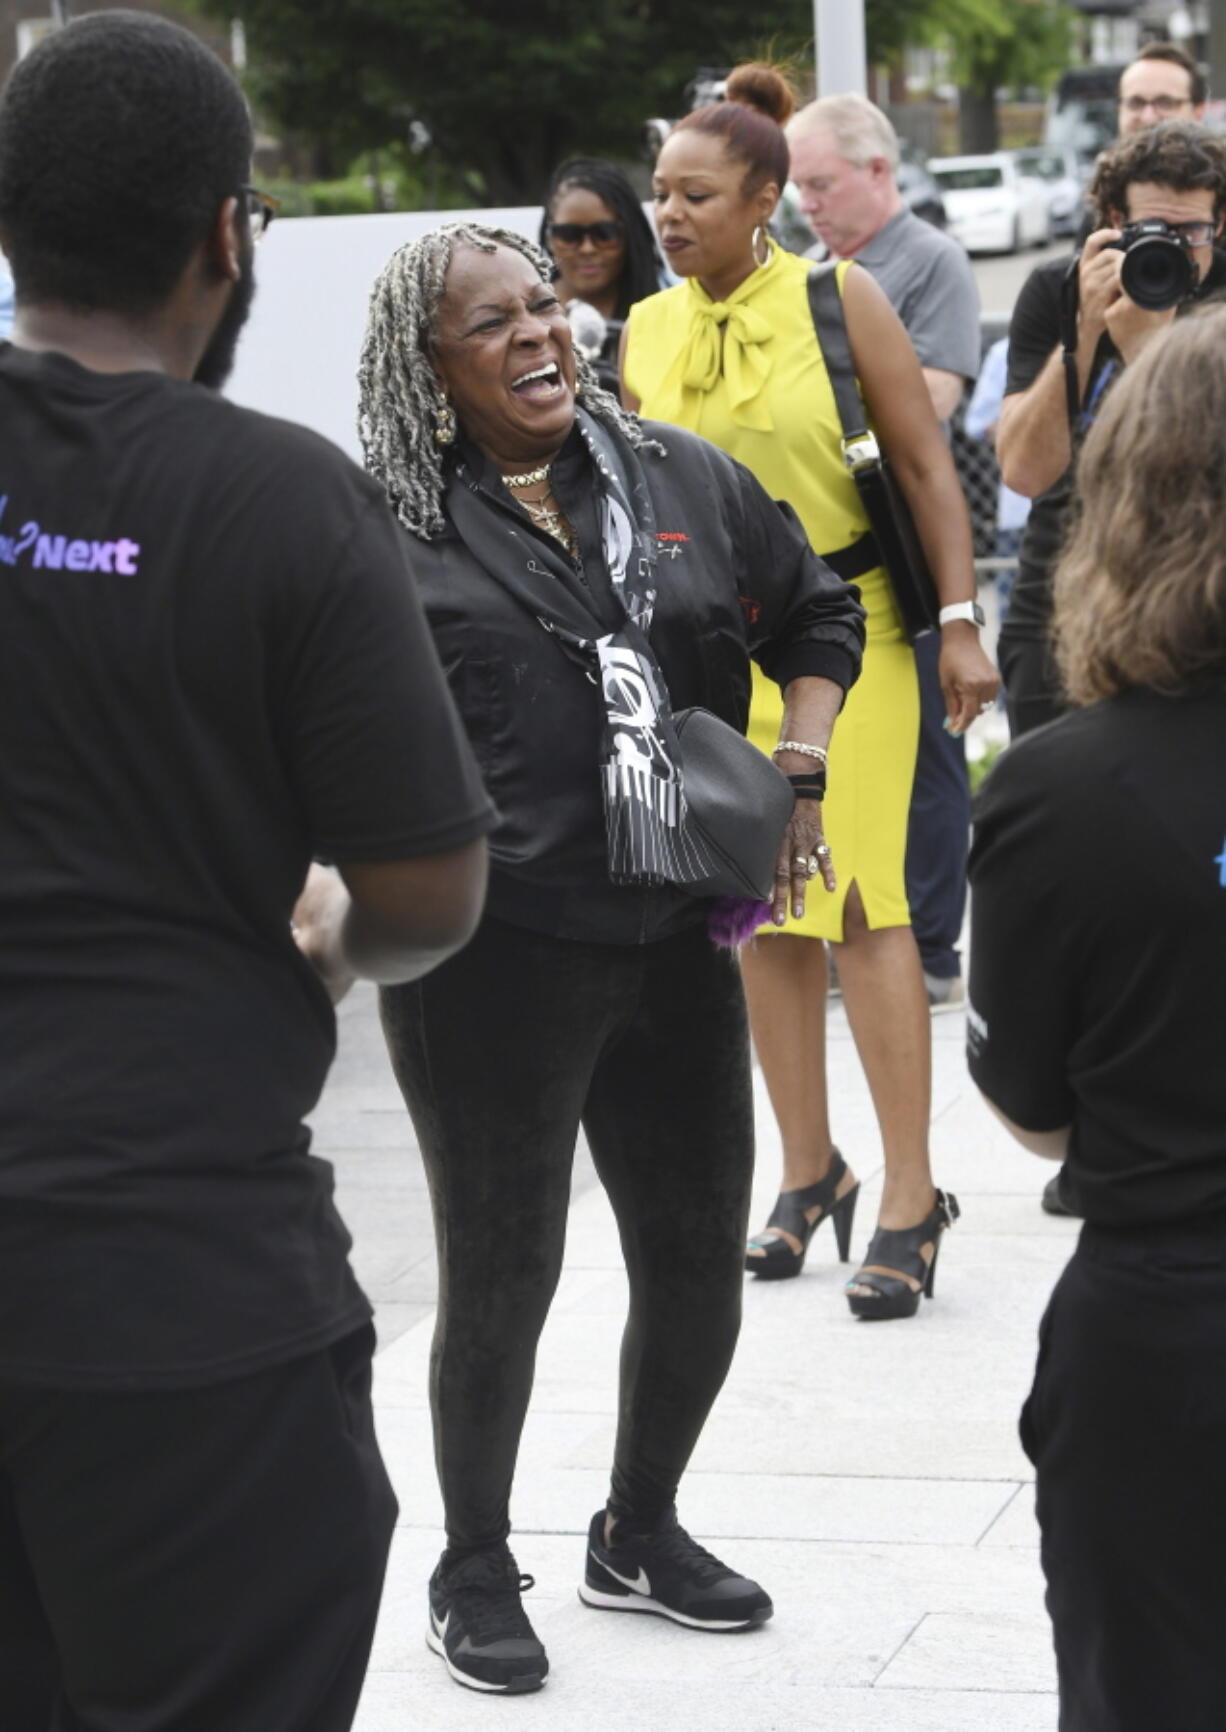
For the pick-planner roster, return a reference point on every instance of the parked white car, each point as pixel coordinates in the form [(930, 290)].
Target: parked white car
[(1063, 182), (991, 207)]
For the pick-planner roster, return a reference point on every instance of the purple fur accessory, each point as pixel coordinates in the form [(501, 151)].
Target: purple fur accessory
[(733, 920)]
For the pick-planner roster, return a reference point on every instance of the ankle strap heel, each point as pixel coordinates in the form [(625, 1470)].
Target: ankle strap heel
[(771, 1257), (902, 1249)]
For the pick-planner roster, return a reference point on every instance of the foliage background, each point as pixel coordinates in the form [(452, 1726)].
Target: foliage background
[(496, 92)]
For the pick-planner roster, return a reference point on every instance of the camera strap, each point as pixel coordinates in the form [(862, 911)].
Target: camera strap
[(1070, 300)]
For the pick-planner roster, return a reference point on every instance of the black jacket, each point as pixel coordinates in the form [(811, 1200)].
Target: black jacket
[(736, 578)]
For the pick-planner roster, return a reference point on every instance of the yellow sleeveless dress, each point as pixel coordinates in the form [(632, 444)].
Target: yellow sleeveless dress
[(748, 375)]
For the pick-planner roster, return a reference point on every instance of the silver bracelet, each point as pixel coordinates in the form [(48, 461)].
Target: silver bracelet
[(818, 752)]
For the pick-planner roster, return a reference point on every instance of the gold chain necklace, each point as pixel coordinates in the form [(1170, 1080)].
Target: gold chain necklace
[(530, 479), (552, 522)]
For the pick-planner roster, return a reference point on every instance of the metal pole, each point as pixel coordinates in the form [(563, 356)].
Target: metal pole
[(59, 13), (842, 58), (1217, 50)]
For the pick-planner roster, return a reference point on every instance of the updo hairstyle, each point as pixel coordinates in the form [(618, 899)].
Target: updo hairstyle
[(758, 103)]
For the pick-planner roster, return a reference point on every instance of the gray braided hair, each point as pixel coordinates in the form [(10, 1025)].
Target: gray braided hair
[(399, 394)]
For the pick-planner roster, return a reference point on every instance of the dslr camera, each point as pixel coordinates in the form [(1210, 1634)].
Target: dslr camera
[(1158, 270)]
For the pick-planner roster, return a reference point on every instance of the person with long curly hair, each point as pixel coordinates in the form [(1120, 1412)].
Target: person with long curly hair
[(586, 577)]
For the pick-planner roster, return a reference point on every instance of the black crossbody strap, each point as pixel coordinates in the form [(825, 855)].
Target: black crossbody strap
[(826, 306)]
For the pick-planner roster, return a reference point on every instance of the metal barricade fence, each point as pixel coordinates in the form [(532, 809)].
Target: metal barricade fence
[(975, 462)]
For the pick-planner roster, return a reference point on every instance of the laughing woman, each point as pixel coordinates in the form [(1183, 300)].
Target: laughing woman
[(551, 540)]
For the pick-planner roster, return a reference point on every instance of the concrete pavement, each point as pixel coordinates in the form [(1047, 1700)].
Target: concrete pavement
[(869, 1476)]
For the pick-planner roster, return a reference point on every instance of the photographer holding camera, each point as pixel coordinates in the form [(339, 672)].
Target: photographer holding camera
[(1159, 197)]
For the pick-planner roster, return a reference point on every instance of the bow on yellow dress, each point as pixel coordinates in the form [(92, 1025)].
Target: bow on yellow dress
[(728, 338), (747, 373)]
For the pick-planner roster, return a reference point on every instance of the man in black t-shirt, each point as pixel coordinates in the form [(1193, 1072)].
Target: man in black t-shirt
[(1176, 173), (213, 667)]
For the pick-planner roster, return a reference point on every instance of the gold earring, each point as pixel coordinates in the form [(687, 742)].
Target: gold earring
[(445, 427)]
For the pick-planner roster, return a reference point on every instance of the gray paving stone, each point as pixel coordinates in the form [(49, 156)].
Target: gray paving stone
[(401, 1702), (974, 1651), (394, 1319), (1017, 1524), (349, 1126)]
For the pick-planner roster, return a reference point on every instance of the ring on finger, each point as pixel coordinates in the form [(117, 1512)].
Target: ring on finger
[(822, 850), (812, 865)]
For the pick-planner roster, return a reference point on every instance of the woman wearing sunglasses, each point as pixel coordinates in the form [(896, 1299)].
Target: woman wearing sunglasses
[(602, 246)]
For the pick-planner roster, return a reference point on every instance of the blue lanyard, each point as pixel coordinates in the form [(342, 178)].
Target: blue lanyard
[(1086, 419)]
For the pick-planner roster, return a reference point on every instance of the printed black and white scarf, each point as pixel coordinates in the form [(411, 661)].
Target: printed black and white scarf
[(649, 839)]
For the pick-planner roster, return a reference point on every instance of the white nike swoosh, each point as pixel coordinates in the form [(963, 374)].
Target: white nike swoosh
[(440, 1630), (640, 1584)]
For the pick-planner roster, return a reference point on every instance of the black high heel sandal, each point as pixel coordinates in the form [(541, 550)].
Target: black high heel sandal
[(902, 1248), (790, 1213)]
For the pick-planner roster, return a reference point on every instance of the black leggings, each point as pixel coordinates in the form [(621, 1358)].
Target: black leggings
[(500, 1054)]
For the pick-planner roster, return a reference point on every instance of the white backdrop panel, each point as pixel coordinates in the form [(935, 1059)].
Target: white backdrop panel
[(298, 356)]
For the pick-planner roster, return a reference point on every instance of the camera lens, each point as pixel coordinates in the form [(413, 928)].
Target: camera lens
[(1157, 272)]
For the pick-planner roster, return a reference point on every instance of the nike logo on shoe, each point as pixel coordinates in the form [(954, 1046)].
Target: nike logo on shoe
[(640, 1583), (440, 1629)]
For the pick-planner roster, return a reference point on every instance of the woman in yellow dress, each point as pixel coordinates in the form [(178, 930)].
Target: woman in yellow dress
[(731, 353)]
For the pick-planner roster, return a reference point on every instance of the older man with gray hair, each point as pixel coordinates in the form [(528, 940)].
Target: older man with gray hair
[(844, 159)]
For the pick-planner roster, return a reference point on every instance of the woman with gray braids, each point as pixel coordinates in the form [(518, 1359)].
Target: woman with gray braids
[(584, 578)]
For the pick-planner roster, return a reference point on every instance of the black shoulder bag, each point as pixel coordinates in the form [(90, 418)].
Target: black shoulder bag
[(891, 524)]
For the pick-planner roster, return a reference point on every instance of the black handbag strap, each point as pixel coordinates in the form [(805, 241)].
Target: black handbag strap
[(856, 560), (830, 323)]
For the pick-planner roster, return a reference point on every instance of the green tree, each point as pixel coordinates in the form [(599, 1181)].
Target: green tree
[(506, 88), (1029, 42), (894, 25)]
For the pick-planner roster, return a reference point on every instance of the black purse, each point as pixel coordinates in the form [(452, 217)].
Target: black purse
[(738, 802), (885, 505)]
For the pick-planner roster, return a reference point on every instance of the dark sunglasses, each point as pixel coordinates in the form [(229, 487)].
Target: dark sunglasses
[(605, 234), (261, 209)]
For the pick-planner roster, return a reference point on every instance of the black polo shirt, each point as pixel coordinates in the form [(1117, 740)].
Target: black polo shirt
[(1098, 950)]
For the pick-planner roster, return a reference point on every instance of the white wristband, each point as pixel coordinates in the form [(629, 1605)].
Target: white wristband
[(969, 610)]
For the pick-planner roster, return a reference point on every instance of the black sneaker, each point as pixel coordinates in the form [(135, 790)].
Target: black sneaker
[(669, 1573), (478, 1627)]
